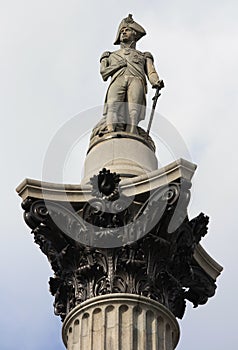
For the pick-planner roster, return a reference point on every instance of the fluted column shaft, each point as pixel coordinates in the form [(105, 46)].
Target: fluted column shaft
[(120, 322)]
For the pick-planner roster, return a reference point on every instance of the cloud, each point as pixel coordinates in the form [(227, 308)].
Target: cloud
[(50, 72)]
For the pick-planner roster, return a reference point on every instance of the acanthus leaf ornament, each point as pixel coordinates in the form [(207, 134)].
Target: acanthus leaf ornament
[(148, 260)]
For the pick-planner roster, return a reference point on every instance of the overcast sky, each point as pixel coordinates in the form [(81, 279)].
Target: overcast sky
[(49, 72)]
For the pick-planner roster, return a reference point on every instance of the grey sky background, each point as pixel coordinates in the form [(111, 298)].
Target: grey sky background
[(49, 69)]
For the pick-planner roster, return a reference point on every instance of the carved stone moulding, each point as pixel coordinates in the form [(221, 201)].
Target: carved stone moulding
[(99, 134), (179, 169)]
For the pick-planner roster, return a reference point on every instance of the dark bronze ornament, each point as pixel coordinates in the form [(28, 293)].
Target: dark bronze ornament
[(106, 185), (122, 246)]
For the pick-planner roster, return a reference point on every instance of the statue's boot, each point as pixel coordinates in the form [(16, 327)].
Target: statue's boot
[(134, 121), (111, 121)]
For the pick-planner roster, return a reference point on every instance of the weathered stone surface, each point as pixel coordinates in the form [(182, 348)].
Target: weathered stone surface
[(120, 322), (129, 70), (99, 134), (126, 156), (133, 186)]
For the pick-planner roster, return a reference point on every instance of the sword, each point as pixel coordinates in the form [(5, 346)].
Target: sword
[(155, 99)]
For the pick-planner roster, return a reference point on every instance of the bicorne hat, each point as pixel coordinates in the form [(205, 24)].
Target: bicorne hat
[(129, 22)]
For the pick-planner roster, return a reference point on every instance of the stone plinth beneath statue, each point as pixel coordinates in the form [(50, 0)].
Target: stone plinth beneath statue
[(120, 322), (126, 154)]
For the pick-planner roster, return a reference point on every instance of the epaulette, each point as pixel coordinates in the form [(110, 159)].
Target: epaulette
[(105, 54), (149, 55)]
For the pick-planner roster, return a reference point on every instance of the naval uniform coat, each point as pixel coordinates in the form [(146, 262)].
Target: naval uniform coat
[(138, 66)]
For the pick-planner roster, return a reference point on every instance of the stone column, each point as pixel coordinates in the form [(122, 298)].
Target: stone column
[(125, 261), (120, 322)]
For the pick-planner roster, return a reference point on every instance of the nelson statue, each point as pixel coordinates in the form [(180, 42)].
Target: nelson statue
[(128, 68)]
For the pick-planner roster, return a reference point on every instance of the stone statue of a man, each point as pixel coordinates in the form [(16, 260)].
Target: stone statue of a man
[(128, 68)]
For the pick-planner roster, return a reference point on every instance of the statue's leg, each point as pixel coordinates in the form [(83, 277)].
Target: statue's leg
[(135, 101), (115, 98), (111, 119), (133, 112)]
